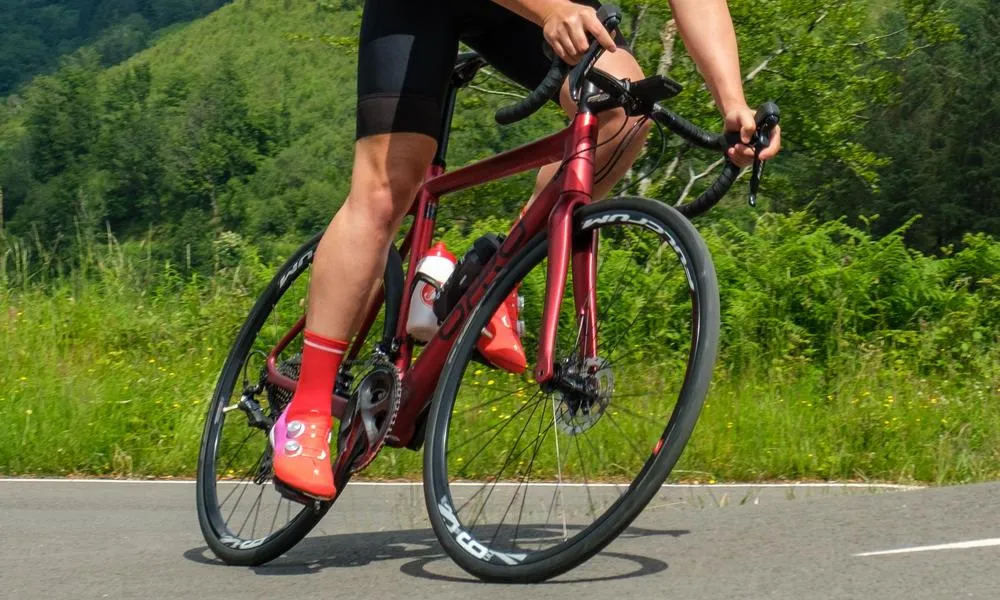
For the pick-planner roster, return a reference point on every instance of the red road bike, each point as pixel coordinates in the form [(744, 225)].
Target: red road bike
[(525, 476)]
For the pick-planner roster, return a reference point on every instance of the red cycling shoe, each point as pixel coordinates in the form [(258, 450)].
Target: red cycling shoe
[(500, 343), (301, 446)]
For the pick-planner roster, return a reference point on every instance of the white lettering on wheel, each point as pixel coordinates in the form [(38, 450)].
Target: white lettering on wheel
[(469, 543)]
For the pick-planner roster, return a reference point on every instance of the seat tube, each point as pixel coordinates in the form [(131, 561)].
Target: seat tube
[(577, 190), (420, 236), (444, 136)]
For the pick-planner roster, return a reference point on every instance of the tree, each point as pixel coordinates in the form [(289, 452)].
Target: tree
[(61, 118), (127, 148), (945, 159), (218, 140)]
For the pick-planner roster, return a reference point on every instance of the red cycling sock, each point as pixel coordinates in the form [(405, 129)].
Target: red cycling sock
[(320, 360)]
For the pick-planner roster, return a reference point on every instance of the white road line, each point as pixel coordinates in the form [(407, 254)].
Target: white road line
[(811, 485), (956, 546)]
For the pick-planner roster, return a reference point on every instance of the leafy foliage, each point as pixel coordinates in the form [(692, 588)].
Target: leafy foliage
[(945, 167)]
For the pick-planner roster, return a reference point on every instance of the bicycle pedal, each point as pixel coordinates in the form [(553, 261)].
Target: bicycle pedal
[(294, 495)]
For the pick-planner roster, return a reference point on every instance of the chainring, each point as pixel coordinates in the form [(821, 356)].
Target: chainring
[(371, 412)]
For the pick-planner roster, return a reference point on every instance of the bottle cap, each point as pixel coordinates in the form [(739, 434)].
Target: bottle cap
[(440, 250)]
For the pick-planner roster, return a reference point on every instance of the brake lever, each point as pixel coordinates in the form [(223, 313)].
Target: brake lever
[(761, 140), (755, 175)]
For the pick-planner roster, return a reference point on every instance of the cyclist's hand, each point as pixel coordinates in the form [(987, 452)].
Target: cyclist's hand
[(566, 27), (742, 120)]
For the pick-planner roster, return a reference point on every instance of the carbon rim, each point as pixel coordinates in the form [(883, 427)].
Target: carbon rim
[(527, 508)]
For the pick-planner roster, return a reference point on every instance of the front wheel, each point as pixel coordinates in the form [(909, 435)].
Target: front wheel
[(524, 482)]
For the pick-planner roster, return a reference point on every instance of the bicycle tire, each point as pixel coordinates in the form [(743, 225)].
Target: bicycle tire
[(473, 554), (231, 548)]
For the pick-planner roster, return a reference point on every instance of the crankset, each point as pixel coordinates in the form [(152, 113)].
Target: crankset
[(371, 413)]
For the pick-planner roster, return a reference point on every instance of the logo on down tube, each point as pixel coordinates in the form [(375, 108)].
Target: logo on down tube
[(469, 543)]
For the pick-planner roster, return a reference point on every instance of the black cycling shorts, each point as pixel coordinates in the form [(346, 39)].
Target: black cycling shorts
[(408, 48)]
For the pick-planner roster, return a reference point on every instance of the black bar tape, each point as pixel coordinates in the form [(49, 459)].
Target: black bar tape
[(536, 99), (608, 14), (712, 195), (688, 130)]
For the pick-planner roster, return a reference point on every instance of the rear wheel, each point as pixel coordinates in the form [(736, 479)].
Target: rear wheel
[(524, 482), (242, 516)]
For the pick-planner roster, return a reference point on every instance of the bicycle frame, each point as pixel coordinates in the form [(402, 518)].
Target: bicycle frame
[(572, 186)]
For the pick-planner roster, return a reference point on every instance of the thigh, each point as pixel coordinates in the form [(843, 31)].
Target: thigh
[(394, 162), (513, 45), (406, 53)]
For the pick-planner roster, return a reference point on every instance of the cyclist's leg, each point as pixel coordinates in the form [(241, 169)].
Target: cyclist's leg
[(388, 171), (406, 52)]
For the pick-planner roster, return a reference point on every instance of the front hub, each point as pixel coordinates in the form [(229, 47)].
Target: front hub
[(581, 394)]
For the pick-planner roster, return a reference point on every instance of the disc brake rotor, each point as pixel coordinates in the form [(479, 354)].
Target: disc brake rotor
[(575, 413)]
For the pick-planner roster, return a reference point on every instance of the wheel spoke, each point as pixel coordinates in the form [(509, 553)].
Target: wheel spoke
[(489, 402), (232, 458), (503, 467), (274, 519), (243, 486), (481, 489), (586, 478), (499, 425), (597, 453), (630, 412), (635, 318), (524, 497), (256, 504), (559, 468), (625, 436)]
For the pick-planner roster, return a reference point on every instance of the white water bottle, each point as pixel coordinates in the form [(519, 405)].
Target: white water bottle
[(437, 266)]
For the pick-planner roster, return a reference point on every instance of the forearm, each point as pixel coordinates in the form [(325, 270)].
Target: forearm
[(707, 30)]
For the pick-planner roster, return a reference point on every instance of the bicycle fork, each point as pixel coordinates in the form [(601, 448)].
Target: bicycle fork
[(575, 187)]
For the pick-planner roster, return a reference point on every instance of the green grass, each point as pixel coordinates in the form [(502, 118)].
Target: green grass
[(108, 372)]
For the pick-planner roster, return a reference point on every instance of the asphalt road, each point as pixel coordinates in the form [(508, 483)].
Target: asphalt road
[(85, 540)]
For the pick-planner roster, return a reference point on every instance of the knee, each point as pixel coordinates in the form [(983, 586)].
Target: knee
[(645, 126), (629, 133), (380, 204), (388, 172)]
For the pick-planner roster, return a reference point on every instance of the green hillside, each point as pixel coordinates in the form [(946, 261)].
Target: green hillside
[(35, 33), (241, 121)]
